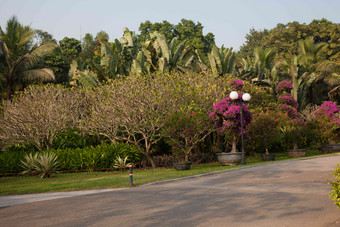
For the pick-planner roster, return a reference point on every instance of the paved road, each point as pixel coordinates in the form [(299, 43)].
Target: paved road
[(289, 193)]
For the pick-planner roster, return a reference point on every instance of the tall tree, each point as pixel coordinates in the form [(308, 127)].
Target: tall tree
[(87, 51), (284, 38), (21, 56), (70, 48), (185, 30)]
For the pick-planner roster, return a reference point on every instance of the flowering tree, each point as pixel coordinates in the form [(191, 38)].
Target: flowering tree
[(227, 116), (328, 119), (288, 105), (236, 85), (284, 87), (265, 128)]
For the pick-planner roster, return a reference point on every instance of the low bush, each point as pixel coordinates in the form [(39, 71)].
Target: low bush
[(99, 157), (335, 193), (74, 138), (10, 161)]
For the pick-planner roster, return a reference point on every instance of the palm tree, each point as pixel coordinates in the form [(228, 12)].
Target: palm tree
[(220, 60), (321, 84), (264, 61), (319, 75), (159, 55), (19, 57), (310, 53)]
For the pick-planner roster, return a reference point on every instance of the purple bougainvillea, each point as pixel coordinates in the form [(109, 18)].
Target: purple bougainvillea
[(227, 115), (289, 100), (284, 86), (328, 108), (236, 85), (289, 110)]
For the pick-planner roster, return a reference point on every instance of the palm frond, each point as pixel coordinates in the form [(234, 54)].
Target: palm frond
[(41, 51), (42, 75)]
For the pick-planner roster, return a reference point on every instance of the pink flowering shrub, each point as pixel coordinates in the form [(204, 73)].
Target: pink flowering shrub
[(284, 86), (328, 120), (288, 100), (294, 126), (291, 112), (328, 108), (227, 117), (236, 85)]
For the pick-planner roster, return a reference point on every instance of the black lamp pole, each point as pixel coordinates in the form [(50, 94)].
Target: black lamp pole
[(242, 143)]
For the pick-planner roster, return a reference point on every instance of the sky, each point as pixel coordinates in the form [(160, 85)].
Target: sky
[(228, 20)]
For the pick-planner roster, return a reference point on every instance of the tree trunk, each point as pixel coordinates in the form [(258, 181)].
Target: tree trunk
[(294, 74), (150, 158), (233, 145), (295, 146), (267, 152), (186, 157), (9, 91)]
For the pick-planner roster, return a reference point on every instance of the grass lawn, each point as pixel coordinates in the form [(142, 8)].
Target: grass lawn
[(116, 179)]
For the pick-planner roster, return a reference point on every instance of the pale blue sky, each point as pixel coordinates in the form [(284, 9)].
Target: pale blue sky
[(228, 20)]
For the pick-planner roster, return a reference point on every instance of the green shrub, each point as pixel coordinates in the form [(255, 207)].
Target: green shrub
[(99, 157), (121, 163), (46, 163), (74, 138), (28, 163), (335, 193), (10, 161)]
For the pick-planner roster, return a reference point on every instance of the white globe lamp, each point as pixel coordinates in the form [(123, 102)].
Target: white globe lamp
[(246, 97), (233, 95)]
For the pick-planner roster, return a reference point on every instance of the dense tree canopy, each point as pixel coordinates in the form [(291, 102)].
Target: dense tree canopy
[(284, 37), (184, 30)]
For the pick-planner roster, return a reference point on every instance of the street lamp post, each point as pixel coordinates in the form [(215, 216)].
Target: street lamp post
[(246, 98)]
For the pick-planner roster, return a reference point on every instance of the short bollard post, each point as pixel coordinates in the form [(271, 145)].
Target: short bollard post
[(131, 177)]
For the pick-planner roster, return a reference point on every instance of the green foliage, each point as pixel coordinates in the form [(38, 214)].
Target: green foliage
[(20, 58), (264, 131), (70, 48), (28, 163), (221, 60), (99, 157), (121, 163), (10, 161), (185, 129), (73, 138), (335, 193), (185, 30), (86, 158), (85, 78), (284, 38), (45, 164), (59, 64)]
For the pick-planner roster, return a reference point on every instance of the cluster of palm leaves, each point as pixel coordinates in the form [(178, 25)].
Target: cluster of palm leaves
[(19, 57), (44, 164), (314, 78)]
